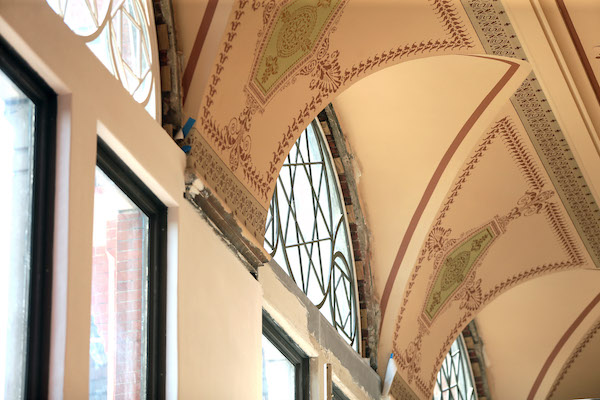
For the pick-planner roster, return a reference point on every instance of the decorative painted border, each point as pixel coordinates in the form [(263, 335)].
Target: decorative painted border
[(498, 37), (245, 208), (578, 350), (439, 239), (232, 140), (266, 34)]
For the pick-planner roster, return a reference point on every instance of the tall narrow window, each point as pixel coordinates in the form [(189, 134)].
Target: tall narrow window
[(285, 366), (127, 312), (121, 34), (307, 232), (27, 129), (455, 380)]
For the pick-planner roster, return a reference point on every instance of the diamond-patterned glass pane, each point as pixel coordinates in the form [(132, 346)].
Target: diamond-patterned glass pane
[(120, 40), (454, 380), (307, 232)]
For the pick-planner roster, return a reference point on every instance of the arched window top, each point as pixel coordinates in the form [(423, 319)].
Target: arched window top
[(454, 380), (121, 34), (307, 232)]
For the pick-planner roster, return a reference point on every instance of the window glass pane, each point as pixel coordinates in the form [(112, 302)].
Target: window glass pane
[(306, 232), (17, 117), (279, 374), (119, 295), (121, 40), (454, 379)]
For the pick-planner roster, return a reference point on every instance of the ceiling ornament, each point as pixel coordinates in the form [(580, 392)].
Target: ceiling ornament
[(499, 38), (294, 40), (287, 46), (449, 276)]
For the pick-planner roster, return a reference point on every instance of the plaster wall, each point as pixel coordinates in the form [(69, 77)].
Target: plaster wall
[(207, 356), (214, 305), (303, 322)]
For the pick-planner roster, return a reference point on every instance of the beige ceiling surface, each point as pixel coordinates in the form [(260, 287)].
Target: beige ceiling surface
[(521, 328), (200, 25), (400, 123), (580, 375), (467, 194), (266, 87), (572, 21), (504, 216)]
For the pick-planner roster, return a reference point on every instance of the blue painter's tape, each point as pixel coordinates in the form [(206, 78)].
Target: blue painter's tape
[(186, 149), (188, 126)]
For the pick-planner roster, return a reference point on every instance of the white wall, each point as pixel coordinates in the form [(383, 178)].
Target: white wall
[(213, 301), (214, 304)]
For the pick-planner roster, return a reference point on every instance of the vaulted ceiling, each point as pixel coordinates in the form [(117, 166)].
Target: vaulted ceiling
[(473, 126)]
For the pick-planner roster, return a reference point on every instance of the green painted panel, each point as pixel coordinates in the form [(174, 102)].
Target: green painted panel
[(455, 268), (296, 31)]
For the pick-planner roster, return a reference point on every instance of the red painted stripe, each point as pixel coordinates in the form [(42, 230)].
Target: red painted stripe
[(560, 345), (190, 68), (589, 71), (412, 226)]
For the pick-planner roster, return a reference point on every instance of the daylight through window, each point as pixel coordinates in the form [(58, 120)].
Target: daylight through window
[(119, 34), (454, 381), (307, 232)]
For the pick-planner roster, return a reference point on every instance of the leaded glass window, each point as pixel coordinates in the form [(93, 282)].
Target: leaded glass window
[(307, 232), (455, 380), (120, 33)]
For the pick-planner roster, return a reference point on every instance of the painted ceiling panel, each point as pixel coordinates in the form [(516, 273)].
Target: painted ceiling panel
[(520, 328), (252, 133), (468, 193), (502, 224), (400, 123)]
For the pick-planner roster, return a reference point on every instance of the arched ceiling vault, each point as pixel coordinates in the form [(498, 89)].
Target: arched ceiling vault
[(476, 173)]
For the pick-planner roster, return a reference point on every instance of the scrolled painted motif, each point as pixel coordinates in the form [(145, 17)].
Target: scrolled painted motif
[(451, 256), (499, 38), (320, 63)]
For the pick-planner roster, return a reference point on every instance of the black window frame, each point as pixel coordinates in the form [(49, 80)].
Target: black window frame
[(282, 342), (337, 393), (37, 359), (126, 180)]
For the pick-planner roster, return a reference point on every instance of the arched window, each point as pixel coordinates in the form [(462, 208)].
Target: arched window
[(121, 34), (307, 232), (455, 379)]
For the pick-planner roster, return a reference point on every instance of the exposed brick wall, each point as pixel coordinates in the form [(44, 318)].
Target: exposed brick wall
[(120, 262), (475, 349), (368, 306), (170, 60)]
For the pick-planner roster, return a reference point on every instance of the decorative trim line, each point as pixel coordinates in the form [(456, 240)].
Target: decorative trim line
[(435, 178), (498, 37), (560, 344), (234, 194), (439, 240), (232, 139), (580, 347), (190, 68), (589, 71)]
